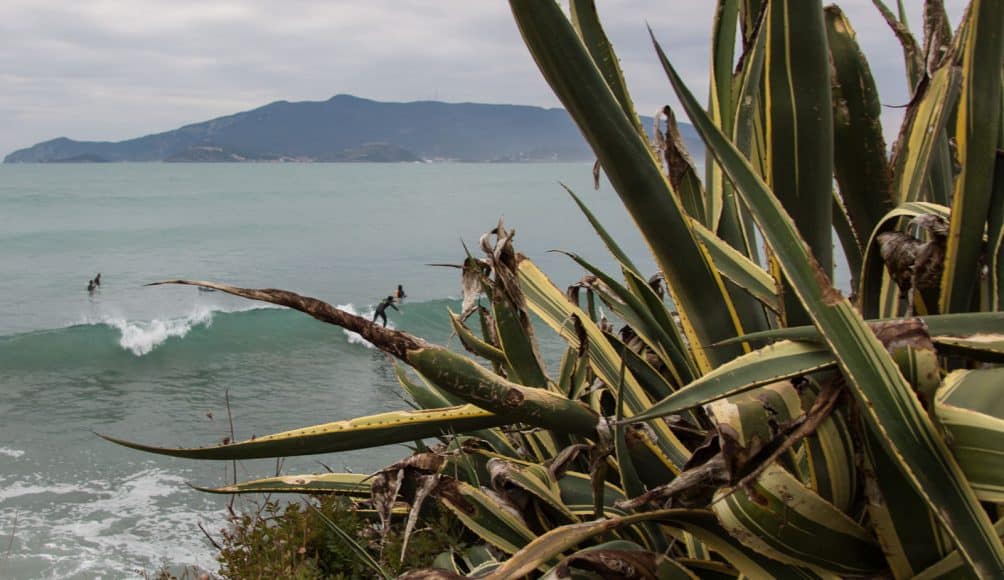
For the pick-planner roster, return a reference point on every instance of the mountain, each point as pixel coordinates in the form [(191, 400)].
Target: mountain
[(348, 128)]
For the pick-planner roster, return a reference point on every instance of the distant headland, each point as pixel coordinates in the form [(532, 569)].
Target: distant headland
[(346, 128)]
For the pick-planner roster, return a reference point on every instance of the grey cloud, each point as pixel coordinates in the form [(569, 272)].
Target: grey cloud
[(113, 69)]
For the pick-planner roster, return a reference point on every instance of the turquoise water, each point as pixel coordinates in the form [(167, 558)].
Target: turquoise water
[(153, 363)]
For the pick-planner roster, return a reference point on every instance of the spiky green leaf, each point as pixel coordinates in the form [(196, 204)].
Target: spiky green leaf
[(888, 404)]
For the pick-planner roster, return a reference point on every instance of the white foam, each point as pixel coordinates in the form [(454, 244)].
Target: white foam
[(141, 337), (115, 526), (21, 489), (353, 337), (15, 453)]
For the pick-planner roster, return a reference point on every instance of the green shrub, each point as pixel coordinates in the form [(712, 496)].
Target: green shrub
[(289, 540)]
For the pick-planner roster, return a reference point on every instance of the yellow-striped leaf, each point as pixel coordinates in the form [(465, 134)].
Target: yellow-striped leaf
[(705, 308), (888, 404), (976, 132), (358, 433)]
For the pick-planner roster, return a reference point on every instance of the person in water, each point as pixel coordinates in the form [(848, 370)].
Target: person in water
[(97, 280), (388, 301), (399, 293), (90, 286)]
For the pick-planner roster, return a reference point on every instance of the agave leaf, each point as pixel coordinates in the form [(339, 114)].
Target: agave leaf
[(860, 163), (652, 466), (782, 360), (737, 227), (616, 558), (910, 346), (577, 493), (742, 271), (909, 532), (748, 416), (475, 344), (518, 345), (478, 555), (721, 101), (703, 525), (350, 484), (748, 127), (629, 476), (971, 334), (876, 287), (709, 569), (645, 291), (548, 546), (613, 563), (698, 522), (359, 433), (788, 522), (982, 347), (848, 238), (911, 51), (995, 229), (970, 406), (976, 133), (888, 404), (680, 170), (485, 514), (830, 457), (446, 564), (429, 397), (534, 480), (706, 310), (953, 565), (654, 383), (449, 371), (580, 375), (632, 480), (937, 33), (611, 245), (513, 329), (568, 376), (587, 24), (750, 16), (425, 394), (926, 118), (940, 50), (473, 382), (551, 305), (637, 315), (800, 128)]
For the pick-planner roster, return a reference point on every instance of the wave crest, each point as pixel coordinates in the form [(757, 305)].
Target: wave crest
[(141, 337), (354, 337)]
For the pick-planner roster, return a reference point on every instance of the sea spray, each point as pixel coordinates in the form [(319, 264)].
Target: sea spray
[(15, 453), (141, 337), (354, 337)]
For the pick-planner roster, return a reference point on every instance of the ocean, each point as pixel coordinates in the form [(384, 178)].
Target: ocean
[(156, 364)]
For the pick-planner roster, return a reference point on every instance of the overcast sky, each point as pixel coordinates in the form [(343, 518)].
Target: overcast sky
[(116, 69)]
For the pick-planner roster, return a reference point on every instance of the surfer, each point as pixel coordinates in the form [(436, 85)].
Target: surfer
[(388, 301), (399, 293), (90, 286), (97, 280)]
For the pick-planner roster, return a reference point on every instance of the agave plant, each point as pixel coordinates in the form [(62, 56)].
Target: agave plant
[(745, 419)]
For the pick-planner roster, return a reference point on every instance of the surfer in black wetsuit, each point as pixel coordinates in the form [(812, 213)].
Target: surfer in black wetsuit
[(97, 280), (90, 286), (388, 301), (399, 293)]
